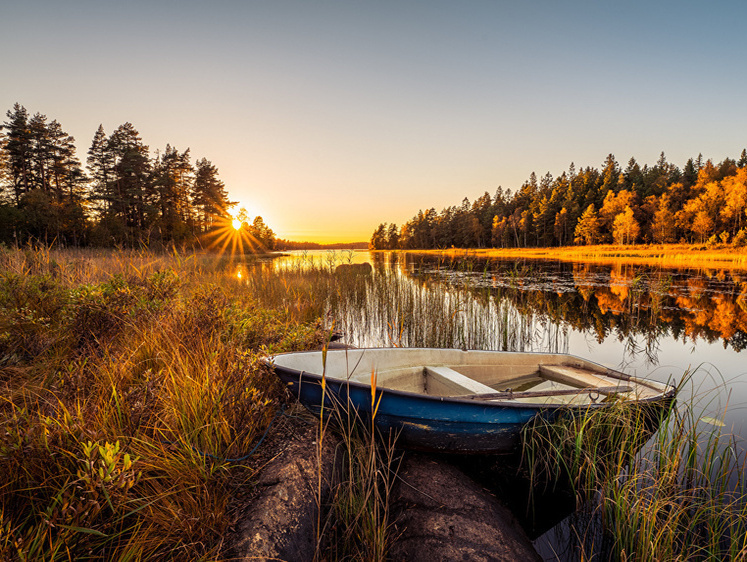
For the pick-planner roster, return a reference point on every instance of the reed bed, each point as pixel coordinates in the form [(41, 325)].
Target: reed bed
[(650, 483), (390, 308)]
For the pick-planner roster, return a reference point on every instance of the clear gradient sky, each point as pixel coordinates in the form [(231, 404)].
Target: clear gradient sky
[(329, 117)]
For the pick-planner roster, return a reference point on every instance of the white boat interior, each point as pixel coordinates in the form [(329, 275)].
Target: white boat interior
[(533, 378)]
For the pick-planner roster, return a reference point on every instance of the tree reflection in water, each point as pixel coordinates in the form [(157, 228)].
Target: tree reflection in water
[(631, 302)]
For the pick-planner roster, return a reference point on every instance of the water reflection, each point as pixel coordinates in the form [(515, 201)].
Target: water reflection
[(399, 305), (652, 322), (625, 300)]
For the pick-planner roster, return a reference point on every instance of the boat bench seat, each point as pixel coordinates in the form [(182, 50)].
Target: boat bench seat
[(444, 381), (575, 376)]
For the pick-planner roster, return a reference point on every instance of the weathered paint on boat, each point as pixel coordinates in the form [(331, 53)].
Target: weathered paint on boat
[(423, 422)]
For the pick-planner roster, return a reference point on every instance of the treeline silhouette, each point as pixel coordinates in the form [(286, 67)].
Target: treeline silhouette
[(281, 244), (123, 196), (701, 203)]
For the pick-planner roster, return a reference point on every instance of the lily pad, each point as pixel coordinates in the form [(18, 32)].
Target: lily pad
[(712, 421)]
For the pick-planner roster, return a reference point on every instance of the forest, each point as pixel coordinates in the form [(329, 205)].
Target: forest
[(702, 203), (123, 197)]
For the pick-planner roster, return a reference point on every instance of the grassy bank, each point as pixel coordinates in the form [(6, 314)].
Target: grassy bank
[(662, 255), (128, 382)]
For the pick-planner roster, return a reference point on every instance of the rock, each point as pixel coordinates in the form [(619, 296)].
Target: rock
[(280, 522), (441, 514)]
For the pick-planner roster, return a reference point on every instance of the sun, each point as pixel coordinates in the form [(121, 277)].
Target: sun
[(232, 233)]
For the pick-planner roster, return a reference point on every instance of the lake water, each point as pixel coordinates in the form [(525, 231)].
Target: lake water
[(653, 322)]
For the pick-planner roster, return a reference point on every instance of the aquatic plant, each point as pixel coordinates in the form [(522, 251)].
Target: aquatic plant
[(651, 484)]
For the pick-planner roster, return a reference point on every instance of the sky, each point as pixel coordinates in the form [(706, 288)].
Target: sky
[(329, 117)]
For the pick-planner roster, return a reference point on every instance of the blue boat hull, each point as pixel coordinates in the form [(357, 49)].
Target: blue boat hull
[(440, 418), (425, 423)]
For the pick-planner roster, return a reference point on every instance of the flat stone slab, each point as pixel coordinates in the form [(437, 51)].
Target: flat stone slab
[(280, 523), (439, 513)]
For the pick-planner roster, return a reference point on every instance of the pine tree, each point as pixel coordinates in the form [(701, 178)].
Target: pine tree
[(690, 173), (633, 177), (392, 237), (209, 196), (610, 177), (262, 238), (17, 146), (378, 238), (560, 227), (173, 176), (131, 194), (100, 163), (483, 210), (40, 151), (65, 172)]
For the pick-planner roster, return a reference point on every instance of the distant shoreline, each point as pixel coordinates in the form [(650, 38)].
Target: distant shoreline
[(676, 255), (287, 245)]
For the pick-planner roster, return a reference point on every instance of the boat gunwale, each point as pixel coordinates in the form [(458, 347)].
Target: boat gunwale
[(300, 374)]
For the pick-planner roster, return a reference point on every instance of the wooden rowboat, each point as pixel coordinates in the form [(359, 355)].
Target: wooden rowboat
[(457, 401)]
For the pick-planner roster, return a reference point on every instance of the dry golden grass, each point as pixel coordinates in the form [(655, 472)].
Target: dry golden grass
[(661, 255), (128, 383)]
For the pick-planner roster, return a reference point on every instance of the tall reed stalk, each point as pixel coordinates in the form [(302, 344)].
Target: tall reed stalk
[(679, 495), (356, 526)]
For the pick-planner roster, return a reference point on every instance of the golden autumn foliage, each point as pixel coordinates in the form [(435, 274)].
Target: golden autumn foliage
[(703, 203)]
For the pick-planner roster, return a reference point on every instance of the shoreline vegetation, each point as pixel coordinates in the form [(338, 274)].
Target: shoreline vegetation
[(664, 255), (129, 381), (131, 394)]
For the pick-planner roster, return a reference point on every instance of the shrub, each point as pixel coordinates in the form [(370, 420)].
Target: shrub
[(31, 313)]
